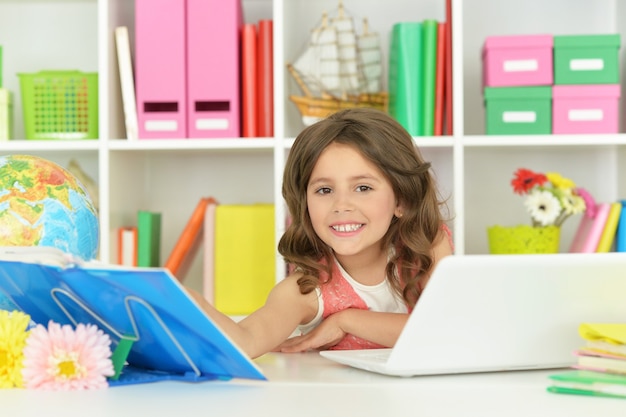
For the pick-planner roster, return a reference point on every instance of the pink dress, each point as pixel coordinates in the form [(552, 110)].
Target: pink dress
[(338, 295)]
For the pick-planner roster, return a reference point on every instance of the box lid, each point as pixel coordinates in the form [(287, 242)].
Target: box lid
[(586, 91), (518, 41), (500, 93), (586, 41)]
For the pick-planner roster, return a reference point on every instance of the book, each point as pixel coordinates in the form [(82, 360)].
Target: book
[(144, 310), (148, 238), (127, 81), (404, 76), (449, 106), (590, 230), (600, 362), (188, 242), (265, 78), (127, 245), (245, 257), (208, 259), (620, 234), (440, 79), (610, 228), (429, 76), (583, 382), (249, 81)]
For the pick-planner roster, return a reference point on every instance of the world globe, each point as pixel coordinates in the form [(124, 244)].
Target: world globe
[(43, 204)]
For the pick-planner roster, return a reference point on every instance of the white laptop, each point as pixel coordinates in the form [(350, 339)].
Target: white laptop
[(482, 313)]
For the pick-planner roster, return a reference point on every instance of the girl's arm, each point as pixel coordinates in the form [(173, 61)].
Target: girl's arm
[(271, 324), (378, 327)]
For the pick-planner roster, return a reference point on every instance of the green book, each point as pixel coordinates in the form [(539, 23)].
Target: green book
[(429, 75), (598, 384), (404, 79), (148, 238)]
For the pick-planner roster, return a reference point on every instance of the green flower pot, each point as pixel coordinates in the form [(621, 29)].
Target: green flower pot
[(523, 239)]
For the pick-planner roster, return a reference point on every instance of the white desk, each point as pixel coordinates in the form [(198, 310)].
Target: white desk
[(302, 385)]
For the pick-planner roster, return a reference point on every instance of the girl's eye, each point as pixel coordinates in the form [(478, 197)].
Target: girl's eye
[(362, 188), (323, 190)]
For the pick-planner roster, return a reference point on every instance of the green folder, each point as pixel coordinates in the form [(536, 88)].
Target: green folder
[(580, 382), (404, 79), (148, 238), (429, 75)]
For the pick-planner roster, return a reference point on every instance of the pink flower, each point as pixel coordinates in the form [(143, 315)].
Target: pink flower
[(590, 203), (61, 358)]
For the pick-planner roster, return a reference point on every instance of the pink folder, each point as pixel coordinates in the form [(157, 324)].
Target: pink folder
[(590, 230), (160, 68), (213, 45)]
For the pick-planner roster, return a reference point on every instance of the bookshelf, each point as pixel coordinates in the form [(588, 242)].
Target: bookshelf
[(170, 175)]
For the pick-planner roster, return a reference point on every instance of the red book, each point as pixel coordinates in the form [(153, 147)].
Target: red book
[(188, 242), (448, 87), (249, 122), (265, 79), (127, 246), (440, 78)]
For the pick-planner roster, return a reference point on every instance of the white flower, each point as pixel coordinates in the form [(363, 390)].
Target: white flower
[(543, 206), (572, 204)]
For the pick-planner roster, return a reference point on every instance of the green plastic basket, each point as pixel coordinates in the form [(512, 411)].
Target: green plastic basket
[(523, 239), (60, 104)]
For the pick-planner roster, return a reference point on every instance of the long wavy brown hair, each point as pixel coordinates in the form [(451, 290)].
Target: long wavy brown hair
[(384, 142)]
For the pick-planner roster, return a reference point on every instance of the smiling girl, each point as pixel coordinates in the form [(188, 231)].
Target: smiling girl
[(365, 236)]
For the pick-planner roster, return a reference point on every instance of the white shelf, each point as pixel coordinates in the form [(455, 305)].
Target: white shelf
[(473, 169)]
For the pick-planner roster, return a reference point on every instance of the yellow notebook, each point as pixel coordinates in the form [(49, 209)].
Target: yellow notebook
[(610, 228), (607, 332), (245, 257)]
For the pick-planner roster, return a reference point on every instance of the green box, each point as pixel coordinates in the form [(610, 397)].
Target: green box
[(60, 105), (518, 110), (586, 59), (6, 114)]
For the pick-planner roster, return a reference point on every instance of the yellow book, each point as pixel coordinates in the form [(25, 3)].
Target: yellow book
[(610, 228), (245, 257)]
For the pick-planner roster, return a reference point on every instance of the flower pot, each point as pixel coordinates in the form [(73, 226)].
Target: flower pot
[(523, 239)]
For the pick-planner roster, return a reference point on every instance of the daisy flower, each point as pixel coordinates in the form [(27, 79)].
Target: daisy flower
[(13, 335), (525, 179), (543, 206), (63, 358), (559, 181)]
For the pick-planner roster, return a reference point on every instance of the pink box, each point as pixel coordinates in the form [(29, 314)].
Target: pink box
[(517, 60), (160, 68), (213, 82), (585, 108)]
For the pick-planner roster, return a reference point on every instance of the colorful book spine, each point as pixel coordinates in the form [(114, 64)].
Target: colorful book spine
[(183, 252), (405, 81), (440, 79), (590, 230), (620, 236), (148, 238), (429, 76), (245, 259), (127, 246), (208, 259), (249, 86), (610, 228), (265, 78), (449, 84)]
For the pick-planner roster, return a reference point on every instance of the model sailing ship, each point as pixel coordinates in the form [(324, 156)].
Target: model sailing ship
[(339, 69)]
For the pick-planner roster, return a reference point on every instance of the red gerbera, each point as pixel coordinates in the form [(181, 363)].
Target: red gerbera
[(526, 179)]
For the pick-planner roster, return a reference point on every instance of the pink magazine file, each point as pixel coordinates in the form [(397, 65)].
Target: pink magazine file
[(160, 68), (213, 45), (585, 108), (590, 230), (517, 60)]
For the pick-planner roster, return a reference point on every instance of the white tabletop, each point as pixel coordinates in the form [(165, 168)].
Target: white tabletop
[(308, 385)]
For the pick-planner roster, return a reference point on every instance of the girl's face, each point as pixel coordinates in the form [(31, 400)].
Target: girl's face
[(350, 202)]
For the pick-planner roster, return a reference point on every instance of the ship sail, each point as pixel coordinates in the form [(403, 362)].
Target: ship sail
[(338, 69)]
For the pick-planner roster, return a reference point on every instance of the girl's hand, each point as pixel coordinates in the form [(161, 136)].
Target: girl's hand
[(324, 336)]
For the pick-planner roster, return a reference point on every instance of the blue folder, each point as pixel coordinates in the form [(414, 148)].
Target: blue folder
[(169, 335)]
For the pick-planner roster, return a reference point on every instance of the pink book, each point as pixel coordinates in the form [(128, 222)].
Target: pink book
[(590, 230), (208, 262), (213, 68), (160, 78)]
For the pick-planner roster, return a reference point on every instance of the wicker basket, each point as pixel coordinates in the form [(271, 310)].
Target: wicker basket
[(60, 104)]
